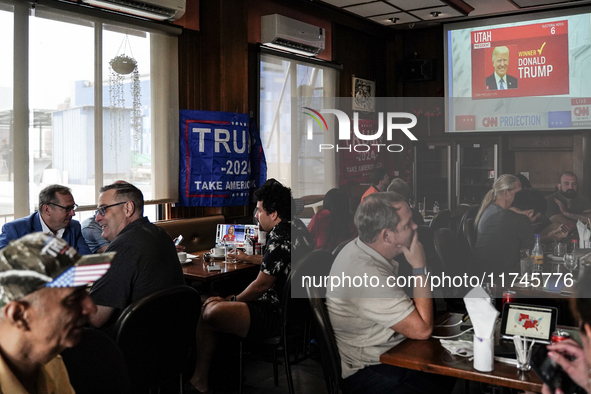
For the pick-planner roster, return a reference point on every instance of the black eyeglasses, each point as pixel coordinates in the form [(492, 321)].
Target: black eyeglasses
[(67, 209), (103, 210)]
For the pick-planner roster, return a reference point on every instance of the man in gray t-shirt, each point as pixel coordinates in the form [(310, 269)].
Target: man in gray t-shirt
[(369, 319)]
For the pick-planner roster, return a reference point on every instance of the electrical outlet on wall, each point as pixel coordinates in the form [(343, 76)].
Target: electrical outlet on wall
[(525, 174)]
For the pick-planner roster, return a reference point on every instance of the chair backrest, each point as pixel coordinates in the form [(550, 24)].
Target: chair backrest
[(329, 351), (426, 239), (441, 220), (461, 209), (456, 216), (96, 365), (156, 335), (340, 247), (454, 261), (315, 265), (318, 264), (470, 213), (470, 233)]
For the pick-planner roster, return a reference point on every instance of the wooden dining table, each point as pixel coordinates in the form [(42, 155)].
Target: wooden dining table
[(197, 270), (429, 356)]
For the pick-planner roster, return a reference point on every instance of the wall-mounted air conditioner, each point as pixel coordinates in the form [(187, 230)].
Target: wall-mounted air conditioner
[(162, 10), (288, 34)]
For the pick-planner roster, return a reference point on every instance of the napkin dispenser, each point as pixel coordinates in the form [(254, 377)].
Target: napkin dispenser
[(483, 316), (584, 235)]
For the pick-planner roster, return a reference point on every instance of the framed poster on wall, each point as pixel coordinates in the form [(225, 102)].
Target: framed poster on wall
[(364, 93)]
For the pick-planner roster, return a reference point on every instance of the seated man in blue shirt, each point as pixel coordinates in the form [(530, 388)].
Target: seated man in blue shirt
[(56, 209)]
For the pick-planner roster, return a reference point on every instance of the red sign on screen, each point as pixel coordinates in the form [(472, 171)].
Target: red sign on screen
[(520, 61)]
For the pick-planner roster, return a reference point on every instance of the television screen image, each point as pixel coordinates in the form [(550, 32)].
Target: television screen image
[(512, 73), (234, 233)]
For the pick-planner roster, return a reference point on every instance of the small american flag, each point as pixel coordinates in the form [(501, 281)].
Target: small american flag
[(80, 275)]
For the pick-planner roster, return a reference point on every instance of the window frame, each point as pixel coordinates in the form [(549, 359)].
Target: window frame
[(164, 167)]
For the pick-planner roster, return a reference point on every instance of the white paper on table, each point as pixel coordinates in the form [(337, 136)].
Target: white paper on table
[(482, 314), (584, 235)]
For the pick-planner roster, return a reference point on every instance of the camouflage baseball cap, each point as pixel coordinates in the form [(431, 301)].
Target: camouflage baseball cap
[(38, 260)]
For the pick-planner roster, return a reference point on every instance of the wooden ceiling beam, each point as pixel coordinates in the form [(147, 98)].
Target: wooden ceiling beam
[(460, 6)]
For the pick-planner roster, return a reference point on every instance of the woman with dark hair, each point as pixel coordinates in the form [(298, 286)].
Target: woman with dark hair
[(579, 365), (333, 224)]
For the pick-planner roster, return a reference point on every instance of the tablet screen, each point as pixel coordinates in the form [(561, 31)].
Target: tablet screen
[(234, 233), (534, 322)]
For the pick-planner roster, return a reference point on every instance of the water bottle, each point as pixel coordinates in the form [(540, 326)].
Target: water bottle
[(435, 208), (538, 256), (248, 247)]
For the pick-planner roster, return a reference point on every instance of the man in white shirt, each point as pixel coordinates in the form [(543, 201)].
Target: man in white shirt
[(370, 319)]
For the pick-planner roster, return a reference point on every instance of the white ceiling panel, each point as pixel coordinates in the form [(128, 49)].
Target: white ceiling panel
[(370, 9)]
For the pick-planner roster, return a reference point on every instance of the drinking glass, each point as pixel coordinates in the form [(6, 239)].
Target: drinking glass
[(570, 261), (230, 250), (559, 249), (422, 208), (523, 361), (527, 265)]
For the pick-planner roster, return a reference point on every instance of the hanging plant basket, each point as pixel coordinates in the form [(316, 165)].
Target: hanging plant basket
[(123, 64)]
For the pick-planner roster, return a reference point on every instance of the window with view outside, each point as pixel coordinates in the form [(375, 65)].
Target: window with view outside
[(62, 127), (6, 111), (290, 159)]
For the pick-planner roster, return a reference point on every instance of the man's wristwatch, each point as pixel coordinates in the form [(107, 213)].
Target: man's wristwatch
[(420, 271)]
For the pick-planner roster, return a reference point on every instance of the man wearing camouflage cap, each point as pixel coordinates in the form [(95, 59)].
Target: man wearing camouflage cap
[(44, 307)]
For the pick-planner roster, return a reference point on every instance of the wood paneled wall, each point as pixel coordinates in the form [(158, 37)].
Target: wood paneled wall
[(218, 72), (213, 75)]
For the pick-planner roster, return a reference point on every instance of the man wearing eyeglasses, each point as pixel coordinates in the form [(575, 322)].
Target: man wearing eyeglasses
[(146, 259), (54, 217)]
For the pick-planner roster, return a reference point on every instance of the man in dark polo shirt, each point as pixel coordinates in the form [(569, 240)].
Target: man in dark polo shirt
[(565, 206), (256, 312), (146, 259)]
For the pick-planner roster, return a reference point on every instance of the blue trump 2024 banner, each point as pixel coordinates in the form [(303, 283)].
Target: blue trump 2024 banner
[(221, 159)]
